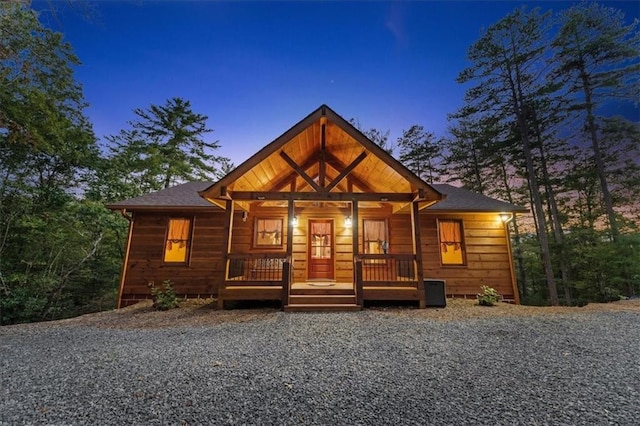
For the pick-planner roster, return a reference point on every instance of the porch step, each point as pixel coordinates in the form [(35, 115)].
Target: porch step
[(322, 299), (321, 291), (311, 300), (320, 307)]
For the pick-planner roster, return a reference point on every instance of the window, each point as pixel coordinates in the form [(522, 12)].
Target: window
[(267, 232), (320, 233), (376, 240), (451, 244), (176, 248)]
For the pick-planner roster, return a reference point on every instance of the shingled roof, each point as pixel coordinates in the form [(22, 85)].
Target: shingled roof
[(185, 196), (460, 199)]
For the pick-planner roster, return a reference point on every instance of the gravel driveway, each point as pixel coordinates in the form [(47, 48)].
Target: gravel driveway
[(362, 368)]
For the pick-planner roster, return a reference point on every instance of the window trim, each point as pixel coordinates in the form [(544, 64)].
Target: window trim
[(187, 257), (463, 245)]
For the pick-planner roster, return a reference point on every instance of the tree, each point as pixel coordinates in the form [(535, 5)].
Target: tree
[(420, 152), (166, 146), (506, 65), (377, 136), (597, 55), (55, 249)]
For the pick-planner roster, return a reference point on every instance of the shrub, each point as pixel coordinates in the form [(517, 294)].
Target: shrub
[(488, 297), (165, 298)]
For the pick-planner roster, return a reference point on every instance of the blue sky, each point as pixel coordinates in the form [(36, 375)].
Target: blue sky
[(256, 68)]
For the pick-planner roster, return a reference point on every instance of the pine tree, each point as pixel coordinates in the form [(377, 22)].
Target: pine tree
[(596, 57)]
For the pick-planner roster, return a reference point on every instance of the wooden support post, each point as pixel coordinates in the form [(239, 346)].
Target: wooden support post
[(357, 264), (287, 272), (514, 281), (125, 264), (228, 230), (417, 251), (359, 283), (323, 163), (286, 282)]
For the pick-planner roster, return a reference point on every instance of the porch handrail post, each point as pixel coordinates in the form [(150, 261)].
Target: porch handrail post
[(359, 283), (286, 282)]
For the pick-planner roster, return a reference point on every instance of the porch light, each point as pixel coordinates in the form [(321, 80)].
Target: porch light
[(294, 221), (347, 222), (506, 217)]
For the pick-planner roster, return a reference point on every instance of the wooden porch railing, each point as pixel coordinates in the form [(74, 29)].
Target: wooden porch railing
[(388, 269), (262, 268)]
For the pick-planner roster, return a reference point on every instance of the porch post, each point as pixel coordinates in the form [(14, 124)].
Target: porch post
[(287, 270), (228, 229), (417, 251), (357, 263)]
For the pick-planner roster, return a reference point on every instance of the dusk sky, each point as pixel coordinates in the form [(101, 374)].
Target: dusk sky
[(257, 68)]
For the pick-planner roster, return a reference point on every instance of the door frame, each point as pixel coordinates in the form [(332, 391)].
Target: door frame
[(332, 246)]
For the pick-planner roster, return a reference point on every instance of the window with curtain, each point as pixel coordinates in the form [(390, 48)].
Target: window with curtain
[(176, 247), (451, 244), (268, 232), (375, 238), (321, 240)]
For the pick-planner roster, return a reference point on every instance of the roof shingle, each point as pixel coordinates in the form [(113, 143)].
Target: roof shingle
[(186, 196)]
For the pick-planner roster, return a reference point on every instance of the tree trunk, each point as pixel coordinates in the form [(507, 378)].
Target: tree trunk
[(597, 154)]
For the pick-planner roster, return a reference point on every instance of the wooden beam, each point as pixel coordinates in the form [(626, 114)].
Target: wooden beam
[(354, 228), (286, 284), (323, 148), (300, 171), (346, 171), (228, 229), (338, 165), (514, 281), (287, 179), (417, 250), (324, 196), (125, 264)]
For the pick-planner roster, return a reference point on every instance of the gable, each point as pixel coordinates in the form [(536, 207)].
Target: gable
[(322, 154)]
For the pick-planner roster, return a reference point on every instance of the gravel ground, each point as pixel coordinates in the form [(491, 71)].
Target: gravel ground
[(364, 368)]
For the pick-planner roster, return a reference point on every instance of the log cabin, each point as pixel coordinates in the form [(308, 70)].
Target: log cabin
[(321, 218)]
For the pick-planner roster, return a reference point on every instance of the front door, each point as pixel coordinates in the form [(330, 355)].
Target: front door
[(320, 249)]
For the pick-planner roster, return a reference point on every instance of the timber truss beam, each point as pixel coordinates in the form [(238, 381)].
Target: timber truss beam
[(324, 196), (323, 158)]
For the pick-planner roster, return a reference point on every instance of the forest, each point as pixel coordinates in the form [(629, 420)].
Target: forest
[(533, 130)]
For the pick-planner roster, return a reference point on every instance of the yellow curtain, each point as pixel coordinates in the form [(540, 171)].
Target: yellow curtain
[(374, 230), (178, 232), (270, 227), (450, 235), (322, 231)]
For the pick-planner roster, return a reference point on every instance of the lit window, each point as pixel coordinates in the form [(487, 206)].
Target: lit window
[(268, 232), (376, 240), (176, 247), (451, 244)]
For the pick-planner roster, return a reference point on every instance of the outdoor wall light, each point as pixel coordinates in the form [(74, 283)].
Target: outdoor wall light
[(294, 221), (347, 222), (506, 217)]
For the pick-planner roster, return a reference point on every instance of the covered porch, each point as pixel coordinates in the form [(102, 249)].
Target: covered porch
[(322, 204)]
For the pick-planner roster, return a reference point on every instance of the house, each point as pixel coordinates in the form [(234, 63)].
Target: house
[(320, 218)]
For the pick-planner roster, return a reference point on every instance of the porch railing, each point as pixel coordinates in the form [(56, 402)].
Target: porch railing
[(390, 269), (262, 267)]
